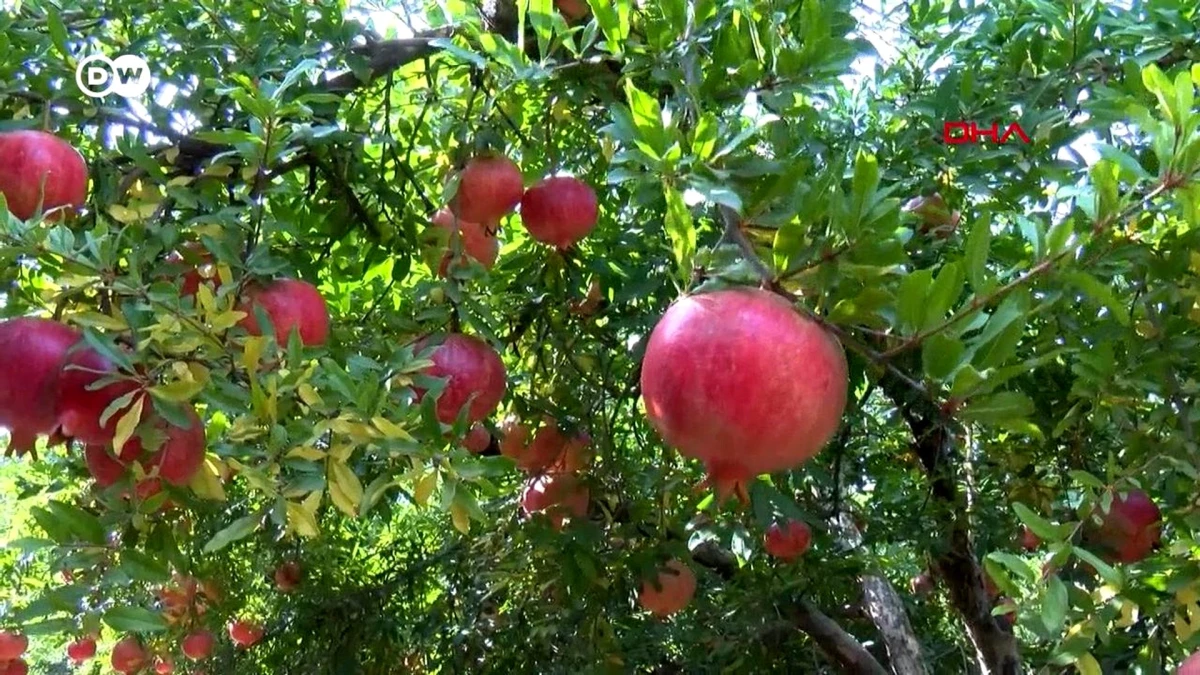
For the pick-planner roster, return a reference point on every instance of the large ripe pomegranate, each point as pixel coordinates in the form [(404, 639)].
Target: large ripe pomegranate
[(290, 304), (675, 588), (558, 495), (1191, 666), (40, 168), (489, 188), (739, 380), (12, 645), (559, 211), (474, 374), (32, 352), (198, 645), (1129, 531), (288, 576), (245, 633), (80, 408), (474, 240), (128, 656), (787, 541), (103, 466), (182, 452), (81, 650)]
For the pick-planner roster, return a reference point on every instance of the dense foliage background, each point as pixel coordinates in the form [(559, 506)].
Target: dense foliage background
[(1012, 367)]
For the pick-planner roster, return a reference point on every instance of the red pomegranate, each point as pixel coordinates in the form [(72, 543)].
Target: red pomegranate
[(559, 211), (489, 188), (1029, 540), (82, 649), (80, 408), (576, 454), (105, 468), (194, 266), (787, 541), (244, 633), (474, 375), (478, 439), (674, 590), (289, 303), (12, 645), (514, 437), (1129, 531), (922, 584), (198, 645), (18, 667), (475, 241), (128, 656), (164, 665), (288, 576), (40, 168), (739, 380), (573, 10), (32, 353), (558, 495), (182, 452), (1190, 666), (537, 456)]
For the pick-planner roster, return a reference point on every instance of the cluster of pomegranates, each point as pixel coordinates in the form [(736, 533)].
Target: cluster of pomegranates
[(12, 649), (555, 460), (559, 210)]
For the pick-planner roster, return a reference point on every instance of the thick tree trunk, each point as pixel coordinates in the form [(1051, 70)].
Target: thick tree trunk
[(885, 608)]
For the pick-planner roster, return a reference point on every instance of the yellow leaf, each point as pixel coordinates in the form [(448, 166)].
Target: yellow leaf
[(225, 320), (180, 181), (1129, 615), (179, 390), (128, 424), (1087, 665), (424, 488), (170, 155), (259, 480), (342, 475), (147, 210), (306, 452), (309, 395), (249, 172), (313, 501), (207, 482), (244, 429), (458, 516), (357, 431), (98, 320), (122, 214), (252, 352), (391, 429), (204, 298), (301, 520), (342, 501)]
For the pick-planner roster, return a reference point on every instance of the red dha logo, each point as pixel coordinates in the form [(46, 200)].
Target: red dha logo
[(957, 133)]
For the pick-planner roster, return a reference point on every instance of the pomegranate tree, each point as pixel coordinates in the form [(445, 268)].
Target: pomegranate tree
[(12, 645), (1130, 529), (81, 403), (289, 304), (670, 592), (559, 211), (198, 645), (245, 634), (40, 169), (128, 656), (32, 353), (83, 649), (475, 241), (475, 377), (489, 187), (739, 380), (787, 541), (558, 495)]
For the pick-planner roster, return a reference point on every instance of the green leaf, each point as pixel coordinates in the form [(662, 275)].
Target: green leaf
[(647, 117), (941, 355), (143, 567), (1101, 293), (978, 241), (1054, 606), (239, 529), (83, 525), (57, 30), (1040, 526), (999, 407), (1107, 572), (914, 290), (704, 138), (134, 620), (681, 230), (945, 291)]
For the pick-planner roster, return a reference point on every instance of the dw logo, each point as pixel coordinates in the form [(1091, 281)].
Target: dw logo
[(98, 76)]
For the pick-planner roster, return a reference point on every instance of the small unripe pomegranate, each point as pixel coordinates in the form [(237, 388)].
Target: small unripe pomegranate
[(935, 217), (12, 645), (559, 211), (244, 633), (128, 656), (478, 439), (787, 541), (289, 304), (475, 377), (676, 584), (288, 576), (489, 188), (198, 645), (82, 649), (922, 584), (573, 10), (40, 168)]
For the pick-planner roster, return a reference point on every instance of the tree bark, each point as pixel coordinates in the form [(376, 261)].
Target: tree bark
[(885, 608)]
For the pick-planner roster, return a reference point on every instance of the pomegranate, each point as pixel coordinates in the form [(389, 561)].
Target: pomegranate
[(737, 379), (558, 495), (1029, 540), (81, 650), (17, 667), (1190, 666), (194, 266), (79, 407), (475, 241), (934, 215), (545, 450), (676, 584), (198, 645), (105, 468), (489, 187), (787, 541), (288, 576), (12, 645), (922, 584), (244, 633), (474, 374), (1129, 531), (37, 168), (514, 437), (32, 352), (573, 10), (289, 303), (559, 211), (576, 454), (128, 656), (181, 454), (478, 439), (164, 665)]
